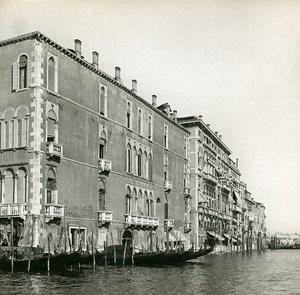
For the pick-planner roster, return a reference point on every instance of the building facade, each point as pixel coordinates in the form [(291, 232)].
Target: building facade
[(221, 208), (83, 159)]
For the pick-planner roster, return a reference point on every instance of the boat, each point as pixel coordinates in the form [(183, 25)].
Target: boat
[(119, 255)]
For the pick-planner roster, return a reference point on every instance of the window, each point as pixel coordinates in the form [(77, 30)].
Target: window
[(185, 147), (128, 115), (140, 203), (51, 74), (128, 201), (102, 194), (140, 121), (22, 186), (166, 135), (78, 238), (146, 166), (51, 187), (23, 71), (139, 162), (51, 126), (9, 187), (9, 128), (103, 100), (128, 157), (150, 165), (150, 127), (22, 127), (102, 145), (134, 161)]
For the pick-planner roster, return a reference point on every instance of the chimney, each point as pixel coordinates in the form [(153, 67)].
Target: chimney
[(134, 88), (237, 163), (200, 117), (172, 116), (175, 115), (77, 47), (220, 136), (154, 100), (208, 125), (216, 133), (95, 59), (118, 74)]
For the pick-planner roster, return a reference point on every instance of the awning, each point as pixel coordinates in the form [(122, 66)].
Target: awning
[(226, 236), (212, 233), (237, 198), (219, 237), (234, 240), (179, 236), (171, 238), (202, 199)]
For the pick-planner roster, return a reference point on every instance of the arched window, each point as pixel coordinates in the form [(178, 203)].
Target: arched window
[(9, 186), (102, 145), (166, 208), (150, 167), (146, 166), (22, 127), (9, 128), (135, 201), (51, 187), (140, 162), (51, 74), (150, 127), (140, 203), (128, 115), (102, 100), (147, 203), (23, 60), (22, 186), (51, 126), (128, 201), (102, 195), (140, 114), (151, 211), (134, 161), (128, 159)]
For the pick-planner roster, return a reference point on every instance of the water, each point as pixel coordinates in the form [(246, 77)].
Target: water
[(272, 272)]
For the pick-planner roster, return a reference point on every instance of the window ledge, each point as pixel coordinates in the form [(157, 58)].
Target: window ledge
[(14, 149), (21, 89)]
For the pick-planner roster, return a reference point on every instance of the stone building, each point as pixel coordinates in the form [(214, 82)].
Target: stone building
[(219, 209), (83, 158)]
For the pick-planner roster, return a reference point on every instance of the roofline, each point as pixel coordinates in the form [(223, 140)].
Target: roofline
[(197, 120), (41, 37)]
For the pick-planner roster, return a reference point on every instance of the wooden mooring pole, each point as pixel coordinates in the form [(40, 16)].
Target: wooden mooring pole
[(12, 245), (48, 261)]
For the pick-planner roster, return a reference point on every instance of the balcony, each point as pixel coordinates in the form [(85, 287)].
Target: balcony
[(13, 210), (104, 217), (210, 178), (169, 223), (187, 227), (104, 165), (54, 150), (141, 221), (168, 185), (187, 191), (251, 217), (54, 211)]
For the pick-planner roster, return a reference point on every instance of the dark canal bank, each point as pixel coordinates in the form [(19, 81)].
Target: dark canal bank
[(271, 272)]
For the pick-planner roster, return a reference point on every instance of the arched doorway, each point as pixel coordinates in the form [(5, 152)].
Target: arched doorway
[(127, 236)]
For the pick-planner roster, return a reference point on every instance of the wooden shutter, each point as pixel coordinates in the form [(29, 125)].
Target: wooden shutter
[(15, 69)]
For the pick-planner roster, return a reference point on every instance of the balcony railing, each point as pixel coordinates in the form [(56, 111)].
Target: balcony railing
[(135, 220), (168, 185), (105, 217), (169, 223), (13, 210), (54, 211), (104, 165), (187, 191), (210, 177), (54, 149)]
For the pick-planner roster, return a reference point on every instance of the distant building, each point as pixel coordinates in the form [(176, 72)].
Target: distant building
[(83, 158)]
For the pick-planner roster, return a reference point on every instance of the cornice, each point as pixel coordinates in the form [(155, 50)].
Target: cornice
[(41, 37)]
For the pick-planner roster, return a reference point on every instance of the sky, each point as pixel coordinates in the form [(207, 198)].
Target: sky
[(236, 62)]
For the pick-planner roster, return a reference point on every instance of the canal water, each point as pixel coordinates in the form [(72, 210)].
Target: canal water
[(271, 272)]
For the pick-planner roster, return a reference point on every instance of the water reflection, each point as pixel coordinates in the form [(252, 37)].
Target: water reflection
[(274, 272)]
